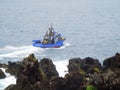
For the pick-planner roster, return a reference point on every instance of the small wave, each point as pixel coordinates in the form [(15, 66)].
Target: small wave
[(14, 48), (65, 45), (7, 48), (14, 52), (61, 67), (7, 81)]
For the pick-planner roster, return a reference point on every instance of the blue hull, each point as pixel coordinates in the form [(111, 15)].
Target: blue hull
[(37, 43)]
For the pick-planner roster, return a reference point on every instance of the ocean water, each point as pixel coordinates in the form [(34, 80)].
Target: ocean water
[(91, 28)]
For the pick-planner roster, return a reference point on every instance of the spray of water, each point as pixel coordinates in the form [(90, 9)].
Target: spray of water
[(7, 81)]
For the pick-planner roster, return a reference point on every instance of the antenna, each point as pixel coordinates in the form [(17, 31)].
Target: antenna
[(51, 28)]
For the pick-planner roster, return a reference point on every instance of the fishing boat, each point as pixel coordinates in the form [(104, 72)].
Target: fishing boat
[(51, 39)]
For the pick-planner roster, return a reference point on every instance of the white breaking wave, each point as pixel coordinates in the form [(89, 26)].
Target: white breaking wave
[(65, 45), (14, 52), (61, 67), (7, 81)]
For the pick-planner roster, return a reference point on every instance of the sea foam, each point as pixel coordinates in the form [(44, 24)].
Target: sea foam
[(7, 81), (61, 67), (14, 52)]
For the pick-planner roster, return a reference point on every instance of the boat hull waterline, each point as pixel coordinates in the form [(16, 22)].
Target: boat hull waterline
[(37, 43)]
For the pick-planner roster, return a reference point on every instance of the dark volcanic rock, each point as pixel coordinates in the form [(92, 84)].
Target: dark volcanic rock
[(10, 87), (74, 64), (83, 74), (57, 83), (89, 65), (14, 68), (3, 65), (108, 80), (48, 68), (73, 80), (2, 74), (112, 62), (30, 75)]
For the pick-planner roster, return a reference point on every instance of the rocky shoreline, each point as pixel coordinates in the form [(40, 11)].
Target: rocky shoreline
[(83, 74)]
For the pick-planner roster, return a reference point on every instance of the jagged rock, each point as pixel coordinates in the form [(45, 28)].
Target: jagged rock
[(48, 68), (57, 83), (2, 74), (89, 65), (74, 64), (10, 87), (112, 62), (34, 75), (73, 80), (30, 75), (3, 65), (14, 68), (108, 80)]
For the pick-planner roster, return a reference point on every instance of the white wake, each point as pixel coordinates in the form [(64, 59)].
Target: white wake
[(14, 52)]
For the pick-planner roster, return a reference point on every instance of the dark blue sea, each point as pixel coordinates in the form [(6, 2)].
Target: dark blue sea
[(91, 28)]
